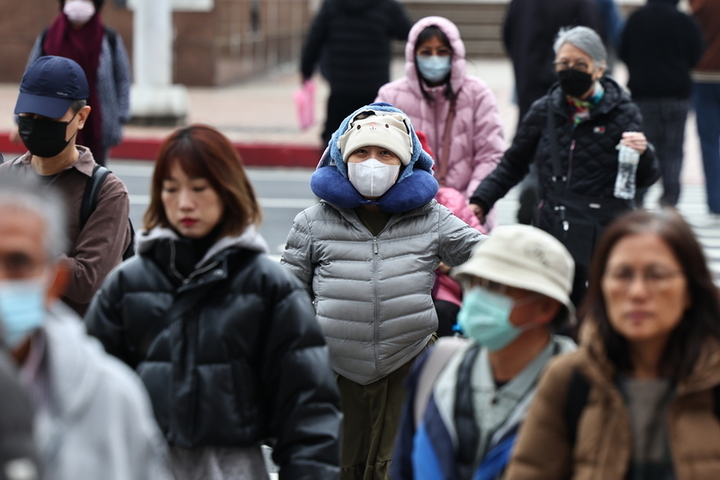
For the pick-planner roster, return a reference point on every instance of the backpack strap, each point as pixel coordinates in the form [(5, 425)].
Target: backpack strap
[(465, 425), (576, 399), (437, 359), (112, 39), (447, 141), (91, 193)]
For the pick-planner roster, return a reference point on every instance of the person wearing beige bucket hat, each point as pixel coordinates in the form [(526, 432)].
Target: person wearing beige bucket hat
[(516, 293)]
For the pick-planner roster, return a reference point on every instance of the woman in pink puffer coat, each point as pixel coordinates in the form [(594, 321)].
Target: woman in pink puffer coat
[(475, 144)]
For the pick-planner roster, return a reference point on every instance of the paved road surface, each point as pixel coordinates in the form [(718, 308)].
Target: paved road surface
[(285, 192)]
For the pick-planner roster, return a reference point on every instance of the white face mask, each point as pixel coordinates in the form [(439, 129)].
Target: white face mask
[(79, 11), (372, 178)]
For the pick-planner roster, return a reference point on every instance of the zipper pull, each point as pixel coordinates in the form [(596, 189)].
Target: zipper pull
[(566, 225), (375, 247)]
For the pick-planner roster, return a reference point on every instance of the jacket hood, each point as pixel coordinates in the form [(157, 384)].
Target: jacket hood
[(459, 68), (705, 374), (250, 239), (72, 372), (414, 187)]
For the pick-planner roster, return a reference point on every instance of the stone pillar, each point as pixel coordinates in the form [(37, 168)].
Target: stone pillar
[(153, 97)]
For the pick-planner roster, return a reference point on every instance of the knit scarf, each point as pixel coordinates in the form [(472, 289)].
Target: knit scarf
[(580, 109)]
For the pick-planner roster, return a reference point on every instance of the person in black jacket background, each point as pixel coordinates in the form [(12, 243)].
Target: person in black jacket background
[(592, 115), (660, 46), (529, 29), (224, 338), (354, 36)]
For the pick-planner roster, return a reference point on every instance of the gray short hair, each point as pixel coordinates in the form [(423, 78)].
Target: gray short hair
[(46, 203), (584, 38)]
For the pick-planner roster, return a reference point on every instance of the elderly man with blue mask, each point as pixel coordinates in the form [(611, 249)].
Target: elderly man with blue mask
[(92, 416), (467, 398)]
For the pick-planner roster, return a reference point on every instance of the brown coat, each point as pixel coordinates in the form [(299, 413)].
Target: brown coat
[(99, 247), (707, 13), (603, 445)]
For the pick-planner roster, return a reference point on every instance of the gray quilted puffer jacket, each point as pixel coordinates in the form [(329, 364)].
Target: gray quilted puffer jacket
[(372, 293)]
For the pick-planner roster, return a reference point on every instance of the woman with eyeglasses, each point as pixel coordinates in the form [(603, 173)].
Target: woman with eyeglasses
[(640, 399), (573, 133)]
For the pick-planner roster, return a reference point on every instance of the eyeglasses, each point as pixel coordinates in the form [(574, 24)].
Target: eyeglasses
[(579, 66), (654, 279)]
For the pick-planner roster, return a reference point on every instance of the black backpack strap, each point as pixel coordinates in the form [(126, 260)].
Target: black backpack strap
[(92, 191), (42, 41), (112, 39), (465, 425), (577, 395)]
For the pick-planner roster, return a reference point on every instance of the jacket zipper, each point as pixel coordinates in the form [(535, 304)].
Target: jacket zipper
[(376, 314), (570, 161)]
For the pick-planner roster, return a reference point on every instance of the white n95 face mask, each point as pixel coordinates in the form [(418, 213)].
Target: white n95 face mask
[(372, 178), (79, 11)]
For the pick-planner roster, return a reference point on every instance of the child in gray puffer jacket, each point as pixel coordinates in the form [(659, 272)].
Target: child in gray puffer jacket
[(368, 252)]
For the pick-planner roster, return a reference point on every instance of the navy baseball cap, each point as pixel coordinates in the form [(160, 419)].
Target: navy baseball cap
[(50, 85)]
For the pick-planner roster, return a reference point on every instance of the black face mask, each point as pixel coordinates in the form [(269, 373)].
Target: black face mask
[(43, 137), (575, 83)]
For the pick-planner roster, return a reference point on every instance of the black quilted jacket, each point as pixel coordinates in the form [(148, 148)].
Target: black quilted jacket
[(587, 153), (245, 362)]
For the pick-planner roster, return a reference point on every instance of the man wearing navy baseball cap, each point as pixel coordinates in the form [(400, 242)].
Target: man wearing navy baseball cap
[(51, 108)]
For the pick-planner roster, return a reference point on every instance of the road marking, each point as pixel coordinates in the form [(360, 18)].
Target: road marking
[(279, 203)]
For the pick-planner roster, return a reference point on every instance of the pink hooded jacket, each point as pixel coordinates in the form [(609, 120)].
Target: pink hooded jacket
[(477, 136)]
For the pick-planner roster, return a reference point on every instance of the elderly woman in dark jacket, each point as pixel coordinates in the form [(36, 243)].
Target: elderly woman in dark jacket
[(224, 338), (572, 133)]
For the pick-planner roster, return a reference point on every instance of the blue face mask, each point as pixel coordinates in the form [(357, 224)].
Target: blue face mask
[(22, 308), (485, 317), (433, 68)]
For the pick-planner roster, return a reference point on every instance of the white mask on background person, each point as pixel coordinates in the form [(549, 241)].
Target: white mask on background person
[(79, 11), (372, 178)]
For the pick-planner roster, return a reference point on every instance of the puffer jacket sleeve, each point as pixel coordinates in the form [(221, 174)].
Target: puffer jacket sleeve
[(457, 238), (648, 170), (305, 416), (515, 164), (103, 318), (488, 140), (543, 450), (297, 255)]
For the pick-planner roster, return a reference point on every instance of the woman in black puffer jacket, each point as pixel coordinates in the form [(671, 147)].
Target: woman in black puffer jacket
[(591, 116), (224, 338)]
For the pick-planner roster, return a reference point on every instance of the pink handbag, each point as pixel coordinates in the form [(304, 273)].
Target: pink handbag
[(305, 104)]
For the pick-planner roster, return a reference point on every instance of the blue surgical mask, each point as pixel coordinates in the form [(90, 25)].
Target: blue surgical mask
[(433, 68), (22, 308), (485, 317)]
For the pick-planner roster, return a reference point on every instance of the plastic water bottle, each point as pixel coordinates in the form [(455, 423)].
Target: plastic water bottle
[(628, 159)]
